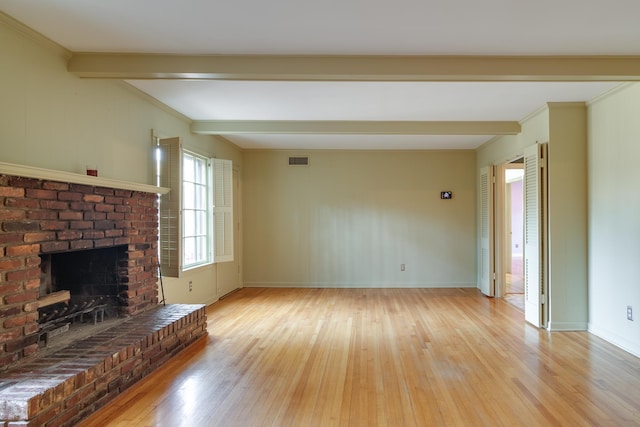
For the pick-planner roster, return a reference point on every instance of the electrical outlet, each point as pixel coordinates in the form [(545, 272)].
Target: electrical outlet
[(630, 313), (401, 267), (190, 285)]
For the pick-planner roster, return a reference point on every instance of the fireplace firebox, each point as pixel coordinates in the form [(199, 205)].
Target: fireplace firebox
[(80, 287), (88, 274)]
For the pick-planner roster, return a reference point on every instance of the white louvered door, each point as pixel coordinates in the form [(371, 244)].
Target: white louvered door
[(486, 270), (532, 236)]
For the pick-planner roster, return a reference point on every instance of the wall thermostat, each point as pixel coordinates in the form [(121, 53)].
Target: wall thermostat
[(446, 194)]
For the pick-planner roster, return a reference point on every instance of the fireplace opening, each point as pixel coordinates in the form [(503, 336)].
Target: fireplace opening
[(79, 289)]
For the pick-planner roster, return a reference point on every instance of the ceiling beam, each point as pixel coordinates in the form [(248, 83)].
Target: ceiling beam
[(231, 127), (355, 68)]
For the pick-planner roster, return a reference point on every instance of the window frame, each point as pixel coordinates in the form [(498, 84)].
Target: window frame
[(201, 211)]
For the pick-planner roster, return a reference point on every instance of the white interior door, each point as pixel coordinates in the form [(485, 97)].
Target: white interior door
[(532, 235), (486, 261)]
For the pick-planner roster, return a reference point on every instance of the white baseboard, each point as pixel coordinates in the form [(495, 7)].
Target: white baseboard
[(567, 326), (356, 285), (615, 339)]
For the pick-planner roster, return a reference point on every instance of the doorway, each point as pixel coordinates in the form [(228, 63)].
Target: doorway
[(513, 220), (514, 234)]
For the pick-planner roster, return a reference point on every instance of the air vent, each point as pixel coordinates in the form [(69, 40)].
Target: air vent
[(298, 161)]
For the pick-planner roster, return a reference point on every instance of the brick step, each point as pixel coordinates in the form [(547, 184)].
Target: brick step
[(67, 385)]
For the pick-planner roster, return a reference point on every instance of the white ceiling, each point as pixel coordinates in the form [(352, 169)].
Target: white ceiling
[(346, 27)]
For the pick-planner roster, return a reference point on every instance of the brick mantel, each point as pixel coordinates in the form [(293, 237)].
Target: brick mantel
[(40, 216)]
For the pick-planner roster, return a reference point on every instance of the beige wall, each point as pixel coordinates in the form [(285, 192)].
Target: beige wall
[(352, 217), (567, 165), (614, 217), (54, 120)]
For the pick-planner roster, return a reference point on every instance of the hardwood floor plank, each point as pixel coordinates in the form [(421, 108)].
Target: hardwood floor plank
[(382, 357)]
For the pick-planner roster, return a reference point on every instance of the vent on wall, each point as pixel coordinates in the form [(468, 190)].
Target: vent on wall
[(298, 161)]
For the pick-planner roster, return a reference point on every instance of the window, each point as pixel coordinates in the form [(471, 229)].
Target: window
[(196, 216), (196, 212)]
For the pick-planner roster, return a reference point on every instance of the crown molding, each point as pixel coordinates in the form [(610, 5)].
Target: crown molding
[(155, 102), (610, 93), (33, 35)]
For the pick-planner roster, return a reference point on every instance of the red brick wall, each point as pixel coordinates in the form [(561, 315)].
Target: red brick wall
[(39, 216)]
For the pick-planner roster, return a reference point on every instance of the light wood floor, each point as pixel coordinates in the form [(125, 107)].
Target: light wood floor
[(362, 357), (514, 292)]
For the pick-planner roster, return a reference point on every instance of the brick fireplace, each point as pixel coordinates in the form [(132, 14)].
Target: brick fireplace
[(57, 229), (42, 217)]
